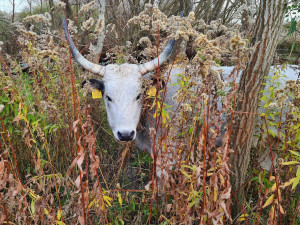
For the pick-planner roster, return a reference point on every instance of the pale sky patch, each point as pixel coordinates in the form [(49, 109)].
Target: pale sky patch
[(6, 5)]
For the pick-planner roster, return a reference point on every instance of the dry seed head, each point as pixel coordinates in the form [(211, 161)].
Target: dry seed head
[(273, 105), (86, 25), (99, 26), (29, 34), (61, 5), (39, 18), (191, 16), (87, 7), (292, 107), (71, 27), (202, 39), (48, 53), (51, 42)]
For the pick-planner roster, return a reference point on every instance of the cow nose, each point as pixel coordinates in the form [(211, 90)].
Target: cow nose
[(125, 136)]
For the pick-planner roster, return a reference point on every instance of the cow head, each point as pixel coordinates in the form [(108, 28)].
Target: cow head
[(121, 87)]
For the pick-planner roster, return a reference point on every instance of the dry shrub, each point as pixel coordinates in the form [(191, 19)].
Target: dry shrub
[(59, 161)]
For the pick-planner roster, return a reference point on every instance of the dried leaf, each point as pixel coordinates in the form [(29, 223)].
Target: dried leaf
[(281, 209), (273, 187), (269, 201), (227, 194), (272, 212), (288, 183)]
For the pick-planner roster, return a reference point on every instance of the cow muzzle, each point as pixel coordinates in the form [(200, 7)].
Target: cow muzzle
[(125, 136)]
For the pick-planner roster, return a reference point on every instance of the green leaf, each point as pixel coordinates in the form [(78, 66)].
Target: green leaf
[(296, 181), (295, 153), (298, 172), (32, 206), (272, 133), (290, 163)]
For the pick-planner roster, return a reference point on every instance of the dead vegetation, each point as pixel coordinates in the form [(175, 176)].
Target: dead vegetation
[(59, 162)]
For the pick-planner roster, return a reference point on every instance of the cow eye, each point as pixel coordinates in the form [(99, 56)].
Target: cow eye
[(108, 98), (138, 97)]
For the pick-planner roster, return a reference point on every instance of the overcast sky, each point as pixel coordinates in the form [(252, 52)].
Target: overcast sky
[(6, 6)]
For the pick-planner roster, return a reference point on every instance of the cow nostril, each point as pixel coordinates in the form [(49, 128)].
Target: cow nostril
[(125, 136), (120, 136)]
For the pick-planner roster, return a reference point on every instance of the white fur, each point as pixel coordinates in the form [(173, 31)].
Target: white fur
[(123, 83)]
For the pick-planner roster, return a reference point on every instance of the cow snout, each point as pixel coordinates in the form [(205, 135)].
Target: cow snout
[(126, 136)]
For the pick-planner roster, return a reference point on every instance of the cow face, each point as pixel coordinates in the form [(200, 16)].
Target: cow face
[(121, 87)]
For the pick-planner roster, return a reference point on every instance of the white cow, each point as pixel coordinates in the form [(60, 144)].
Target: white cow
[(122, 89)]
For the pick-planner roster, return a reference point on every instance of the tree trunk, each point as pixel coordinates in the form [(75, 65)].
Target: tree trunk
[(13, 12), (217, 10), (51, 6), (101, 35), (266, 33)]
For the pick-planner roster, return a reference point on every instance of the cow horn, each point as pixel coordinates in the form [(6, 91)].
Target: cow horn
[(86, 64), (161, 59)]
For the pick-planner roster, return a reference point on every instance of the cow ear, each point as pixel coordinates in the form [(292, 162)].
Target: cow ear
[(95, 84)]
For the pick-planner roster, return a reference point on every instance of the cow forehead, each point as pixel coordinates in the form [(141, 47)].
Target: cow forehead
[(122, 79)]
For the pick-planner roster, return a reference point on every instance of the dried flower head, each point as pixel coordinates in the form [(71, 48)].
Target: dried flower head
[(39, 18), (61, 5), (87, 7), (29, 34), (99, 26), (86, 25)]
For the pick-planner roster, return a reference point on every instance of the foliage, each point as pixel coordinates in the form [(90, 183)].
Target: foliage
[(59, 162)]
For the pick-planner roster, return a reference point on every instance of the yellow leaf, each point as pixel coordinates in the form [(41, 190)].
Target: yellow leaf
[(152, 91), (96, 94), (289, 163), (222, 179), (46, 211), (288, 183), (59, 214), (281, 209), (243, 217), (269, 201), (107, 199), (279, 195), (120, 199), (215, 194), (186, 174), (272, 212), (92, 203), (273, 187)]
